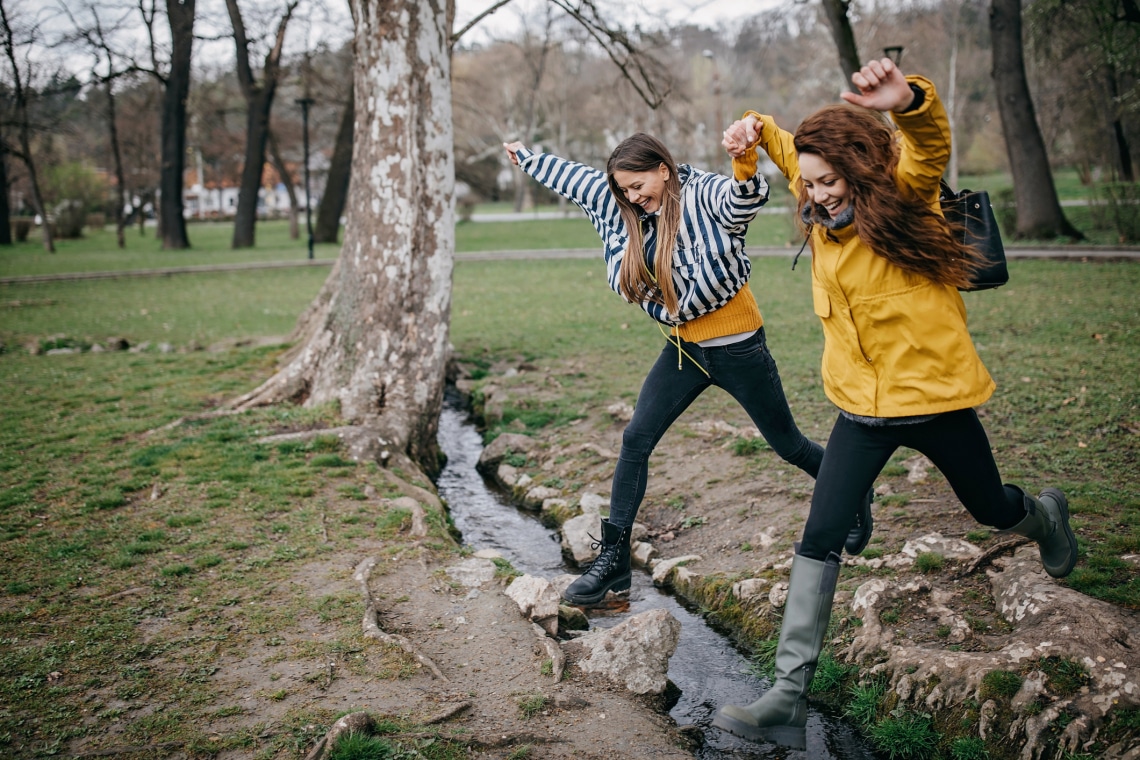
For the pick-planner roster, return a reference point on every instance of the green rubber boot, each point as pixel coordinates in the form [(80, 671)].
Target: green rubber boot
[(1047, 522), (780, 716)]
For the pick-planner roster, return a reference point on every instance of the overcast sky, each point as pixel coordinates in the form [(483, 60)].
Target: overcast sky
[(649, 13)]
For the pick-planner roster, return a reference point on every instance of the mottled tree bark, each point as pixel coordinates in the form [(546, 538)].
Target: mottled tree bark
[(375, 339)]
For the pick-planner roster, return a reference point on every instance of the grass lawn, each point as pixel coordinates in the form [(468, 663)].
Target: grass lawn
[(109, 530)]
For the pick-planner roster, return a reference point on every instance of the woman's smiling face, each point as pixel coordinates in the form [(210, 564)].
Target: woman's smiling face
[(823, 185), (645, 189)]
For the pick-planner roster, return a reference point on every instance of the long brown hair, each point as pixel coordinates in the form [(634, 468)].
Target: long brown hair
[(896, 224), (642, 153)]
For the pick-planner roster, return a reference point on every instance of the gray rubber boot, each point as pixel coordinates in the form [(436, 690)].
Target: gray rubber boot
[(780, 716), (860, 532), (1047, 522), (609, 571)]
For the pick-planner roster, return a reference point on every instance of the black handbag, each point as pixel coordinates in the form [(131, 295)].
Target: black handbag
[(973, 214)]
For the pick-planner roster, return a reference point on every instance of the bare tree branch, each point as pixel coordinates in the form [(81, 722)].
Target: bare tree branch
[(635, 65), (455, 37)]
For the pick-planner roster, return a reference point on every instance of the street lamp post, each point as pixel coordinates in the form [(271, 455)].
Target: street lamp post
[(305, 103), (894, 52)]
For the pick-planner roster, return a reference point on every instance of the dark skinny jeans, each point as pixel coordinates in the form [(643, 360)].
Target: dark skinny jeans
[(856, 453), (747, 371)]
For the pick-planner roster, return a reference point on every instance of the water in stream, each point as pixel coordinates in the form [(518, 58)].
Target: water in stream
[(706, 667)]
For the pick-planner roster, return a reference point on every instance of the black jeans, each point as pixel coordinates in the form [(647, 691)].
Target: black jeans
[(955, 442), (746, 370)]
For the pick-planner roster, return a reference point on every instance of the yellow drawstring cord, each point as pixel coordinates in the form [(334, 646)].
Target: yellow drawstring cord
[(680, 350), (668, 337)]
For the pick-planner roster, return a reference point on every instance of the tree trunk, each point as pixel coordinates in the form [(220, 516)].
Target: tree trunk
[(1121, 155), (287, 180), (171, 222), (1039, 213), (375, 340), (256, 137), (117, 156), (840, 25), (5, 207), (259, 102), (336, 186), (23, 124)]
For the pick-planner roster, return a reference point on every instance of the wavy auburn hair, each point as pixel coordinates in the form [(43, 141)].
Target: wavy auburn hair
[(643, 153), (895, 223)]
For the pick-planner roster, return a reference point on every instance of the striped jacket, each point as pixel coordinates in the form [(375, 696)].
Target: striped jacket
[(709, 266)]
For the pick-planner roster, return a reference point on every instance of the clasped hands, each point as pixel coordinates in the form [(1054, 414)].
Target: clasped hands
[(882, 87)]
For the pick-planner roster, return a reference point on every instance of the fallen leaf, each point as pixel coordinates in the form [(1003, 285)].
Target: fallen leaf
[(1082, 445), (1027, 380), (1098, 337), (1068, 401)]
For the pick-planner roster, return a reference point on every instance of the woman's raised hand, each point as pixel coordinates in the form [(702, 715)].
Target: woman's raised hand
[(512, 151), (882, 87), (741, 135)]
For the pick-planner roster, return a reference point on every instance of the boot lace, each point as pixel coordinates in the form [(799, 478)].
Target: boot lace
[(605, 558)]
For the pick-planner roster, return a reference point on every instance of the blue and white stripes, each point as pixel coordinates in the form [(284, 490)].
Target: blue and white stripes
[(709, 266)]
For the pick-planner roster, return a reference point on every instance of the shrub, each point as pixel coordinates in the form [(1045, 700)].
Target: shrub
[(906, 737), (865, 698), (358, 746), (929, 562), (531, 704), (1122, 201), (21, 226), (1000, 683), (969, 748)]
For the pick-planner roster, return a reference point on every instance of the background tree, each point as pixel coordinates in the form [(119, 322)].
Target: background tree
[(19, 92), (1039, 213), (259, 102), (375, 339), (1089, 77), (327, 227), (173, 74), (835, 11), (285, 175), (95, 37)]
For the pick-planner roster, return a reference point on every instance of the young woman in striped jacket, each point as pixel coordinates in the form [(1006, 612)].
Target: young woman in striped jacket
[(696, 285)]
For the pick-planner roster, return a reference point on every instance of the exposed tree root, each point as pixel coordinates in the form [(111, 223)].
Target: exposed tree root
[(192, 418), (988, 555), (508, 740), (372, 628), (447, 714)]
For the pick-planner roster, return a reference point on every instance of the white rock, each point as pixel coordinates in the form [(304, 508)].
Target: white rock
[(634, 653), (592, 504), (473, 572), (662, 569), (750, 589), (537, 600)]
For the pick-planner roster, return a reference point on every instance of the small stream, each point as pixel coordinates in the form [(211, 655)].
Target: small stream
[(706, 667)]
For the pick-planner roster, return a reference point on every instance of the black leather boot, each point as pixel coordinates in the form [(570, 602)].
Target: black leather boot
[(609, 572), (860, 532)]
